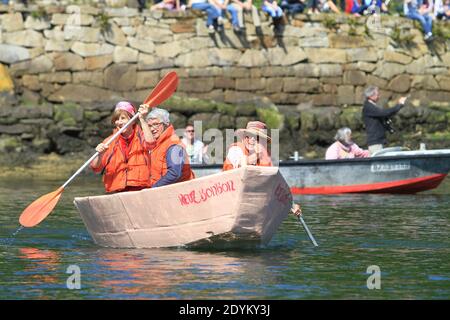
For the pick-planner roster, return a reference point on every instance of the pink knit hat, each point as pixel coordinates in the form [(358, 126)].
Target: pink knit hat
[(125, 105)]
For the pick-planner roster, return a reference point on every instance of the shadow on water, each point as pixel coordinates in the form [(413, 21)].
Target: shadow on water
[(406, 236)]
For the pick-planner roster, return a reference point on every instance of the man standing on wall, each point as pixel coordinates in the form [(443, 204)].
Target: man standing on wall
[(375, 118)]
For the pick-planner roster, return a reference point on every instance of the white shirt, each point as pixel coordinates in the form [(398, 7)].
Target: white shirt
[(194, 151), (235, 155)]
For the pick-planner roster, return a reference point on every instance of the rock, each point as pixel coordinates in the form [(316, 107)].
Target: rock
[(68, 61), (183, 26), (196, 59), (115, 35), (54, 45), (89, 78), (245, 84), (92, 49), (388, 70), (344, 41), (125, 54), (142, 45), (354, 77), (197, 85), (59, 77), (82, 93), (156, 35), (31, 82), (98, 62), (362, 54), (400, 83), (40, 64), (83, 34), (150, 62), (392, 56), (375, 81), (224, 57), (346, 95), (253, 58), (12, 54), (330, 70), (147, 79), (169, 50), (12, 22), (25, 38), (36, 24), (120, 77), (325, 55), (444, 82), (424, 82), (314, 42), (301, 85)]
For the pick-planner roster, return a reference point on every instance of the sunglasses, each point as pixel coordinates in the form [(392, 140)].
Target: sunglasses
[(190, 131)]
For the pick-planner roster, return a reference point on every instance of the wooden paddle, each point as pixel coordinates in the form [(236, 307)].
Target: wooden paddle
[(300, 220), (42, 207)]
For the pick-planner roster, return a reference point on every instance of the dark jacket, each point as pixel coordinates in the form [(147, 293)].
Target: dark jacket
[(373, 118)]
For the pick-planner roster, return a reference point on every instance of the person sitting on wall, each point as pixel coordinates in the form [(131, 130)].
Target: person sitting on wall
[(246, 6), (169, 162), (252, 148), (196, 150), (375, 118), (125, 163), (170, 5), (271, 7), (442, 9), (344, 147), (414, 10), (211, 12), (222, 6)]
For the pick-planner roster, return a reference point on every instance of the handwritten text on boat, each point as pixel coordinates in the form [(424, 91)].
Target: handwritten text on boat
[(202, 195)]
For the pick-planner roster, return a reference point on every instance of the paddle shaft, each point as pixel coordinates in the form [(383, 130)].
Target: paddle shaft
[(311, 237), (97, 153)]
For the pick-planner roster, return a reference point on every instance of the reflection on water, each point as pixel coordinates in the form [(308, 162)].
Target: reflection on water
[(406, 236)]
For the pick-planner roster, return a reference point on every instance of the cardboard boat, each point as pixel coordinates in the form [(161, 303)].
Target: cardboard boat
[(237, 208)]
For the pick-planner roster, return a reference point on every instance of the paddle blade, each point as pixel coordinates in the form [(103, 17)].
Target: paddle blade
[(40, 208), (163, 90)]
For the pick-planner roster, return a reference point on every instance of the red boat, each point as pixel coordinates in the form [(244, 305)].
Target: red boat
[(389, 171)]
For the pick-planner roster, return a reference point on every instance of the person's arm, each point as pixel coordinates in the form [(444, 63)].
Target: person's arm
[(175, 162), (375, 112), (97, 164), (148, 136), (358, 152)]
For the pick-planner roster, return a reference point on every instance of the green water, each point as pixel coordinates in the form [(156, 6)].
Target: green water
[(406, 236)]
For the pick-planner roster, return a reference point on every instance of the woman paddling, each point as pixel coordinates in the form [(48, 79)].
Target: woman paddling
[(125, 163)]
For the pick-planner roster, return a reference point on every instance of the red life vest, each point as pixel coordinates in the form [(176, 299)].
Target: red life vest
[(122, 172), (264, 161), (158, 167)]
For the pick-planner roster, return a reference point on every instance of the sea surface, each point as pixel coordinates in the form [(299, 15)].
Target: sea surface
[(370, 247)]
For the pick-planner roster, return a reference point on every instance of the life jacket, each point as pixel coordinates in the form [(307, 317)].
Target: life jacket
[(264, 161), (122, 173), (158, 166)]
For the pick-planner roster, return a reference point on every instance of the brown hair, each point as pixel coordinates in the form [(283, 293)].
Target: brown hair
[(117, 113)]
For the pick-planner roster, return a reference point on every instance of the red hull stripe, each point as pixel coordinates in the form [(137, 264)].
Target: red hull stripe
[(400, 186)]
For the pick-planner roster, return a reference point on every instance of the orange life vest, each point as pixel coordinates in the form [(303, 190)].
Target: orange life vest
[(121, 173), (264, 161), (158, 167)]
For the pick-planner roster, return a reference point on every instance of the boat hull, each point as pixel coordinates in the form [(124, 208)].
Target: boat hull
[(401, 173), (242, 207)]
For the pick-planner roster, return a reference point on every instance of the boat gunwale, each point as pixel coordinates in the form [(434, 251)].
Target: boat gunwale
[(306, 162)]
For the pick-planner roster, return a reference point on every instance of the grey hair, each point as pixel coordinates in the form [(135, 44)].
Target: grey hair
[(370, 91), (160, 114), (343, 135)]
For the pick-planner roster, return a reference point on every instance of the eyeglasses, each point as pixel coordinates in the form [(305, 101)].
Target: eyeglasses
[(155, 125), (190, 131), (252, 137)]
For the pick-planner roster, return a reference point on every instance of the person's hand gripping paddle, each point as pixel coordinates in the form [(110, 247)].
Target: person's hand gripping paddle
[(42, 207)]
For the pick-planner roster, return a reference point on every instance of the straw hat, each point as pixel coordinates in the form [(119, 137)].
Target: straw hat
[(256, 128)]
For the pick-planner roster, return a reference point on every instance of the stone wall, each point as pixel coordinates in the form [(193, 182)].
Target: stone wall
[(62, 71)]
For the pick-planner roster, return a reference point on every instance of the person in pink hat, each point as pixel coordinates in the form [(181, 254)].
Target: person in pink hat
[(125, 163), (251, 150)]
